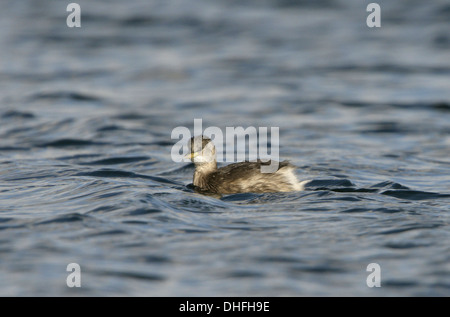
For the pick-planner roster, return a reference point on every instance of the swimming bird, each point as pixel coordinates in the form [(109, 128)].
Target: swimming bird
[(242, 177)]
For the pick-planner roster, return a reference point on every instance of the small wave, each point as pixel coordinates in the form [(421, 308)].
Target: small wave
[(140, 21), (13, 148), (5, 219), (77, 156), (320, 184), (331, 183), (152, 258), (388, 188), (179, 170), (142, 211), (381, 210), (71, 217), (103, 209), (410, 227), (385, 127), (71, 95), (70, 143), (112, 127), (130, 274), (351, 190), (40, 77), (305, 4), (414, 194), (318, 269), (13, 114), (400, 283), (117, 160), (442, 41), (441, 106), (162, 143), (130, 116), (242, 197), (385, 68), (277, 259), (110, 173), (201, 205), (111, 232), (405, 245), (389, 184), (239, 274)]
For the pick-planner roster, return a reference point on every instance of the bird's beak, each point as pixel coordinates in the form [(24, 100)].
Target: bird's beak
[(191, 155)]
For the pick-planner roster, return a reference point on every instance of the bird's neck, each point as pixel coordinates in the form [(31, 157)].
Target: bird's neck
[(202, 171)]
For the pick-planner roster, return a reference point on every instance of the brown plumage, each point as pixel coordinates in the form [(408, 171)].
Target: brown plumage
[(238, 177)]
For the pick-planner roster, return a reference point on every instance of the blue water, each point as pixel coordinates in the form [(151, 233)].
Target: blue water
[(86, 175)]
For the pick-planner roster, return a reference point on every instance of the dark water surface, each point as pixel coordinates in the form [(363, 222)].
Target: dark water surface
[(86, 174)]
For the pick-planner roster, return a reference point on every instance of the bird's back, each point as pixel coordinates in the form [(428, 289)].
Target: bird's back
[(247, 177)]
